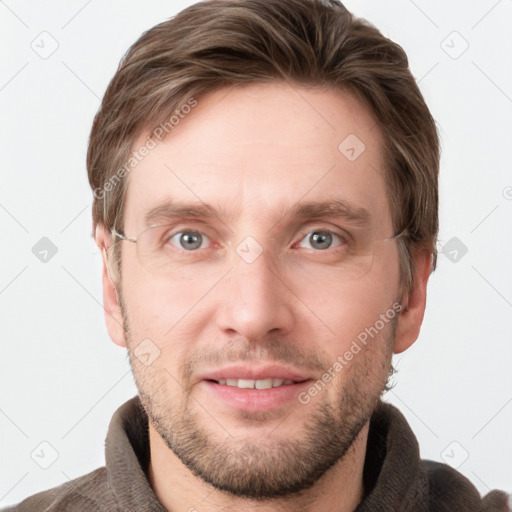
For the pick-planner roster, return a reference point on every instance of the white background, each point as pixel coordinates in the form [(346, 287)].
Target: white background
[(61, 378)]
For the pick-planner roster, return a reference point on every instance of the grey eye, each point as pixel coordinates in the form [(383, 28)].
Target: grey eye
[(320, 240), (189, 240)]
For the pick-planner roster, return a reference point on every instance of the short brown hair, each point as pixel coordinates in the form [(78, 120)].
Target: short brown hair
[(220, 43)]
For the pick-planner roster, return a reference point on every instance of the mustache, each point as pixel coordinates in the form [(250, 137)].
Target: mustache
[(271, 351)]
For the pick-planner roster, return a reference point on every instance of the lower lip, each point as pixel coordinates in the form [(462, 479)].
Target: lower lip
[(253, 400)]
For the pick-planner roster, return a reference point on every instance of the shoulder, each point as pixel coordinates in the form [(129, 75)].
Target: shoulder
[(450, 490), (89, 492)]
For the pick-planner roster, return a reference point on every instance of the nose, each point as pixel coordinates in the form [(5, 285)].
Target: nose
[(255, 300)]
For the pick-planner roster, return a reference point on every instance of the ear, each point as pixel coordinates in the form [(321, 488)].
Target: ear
[(113, 315), (411, 316)]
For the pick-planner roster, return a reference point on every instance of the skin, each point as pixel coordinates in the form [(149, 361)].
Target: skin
[(256, 151)]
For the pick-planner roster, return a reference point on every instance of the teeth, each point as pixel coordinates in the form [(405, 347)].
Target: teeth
[(255, 384), (263, 384), (280, 382), (245, 384)]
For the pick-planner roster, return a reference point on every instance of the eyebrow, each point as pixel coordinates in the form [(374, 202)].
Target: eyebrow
[(177, 209), (335, 208)]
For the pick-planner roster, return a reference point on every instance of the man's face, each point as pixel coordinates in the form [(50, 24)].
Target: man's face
[(258, 292)]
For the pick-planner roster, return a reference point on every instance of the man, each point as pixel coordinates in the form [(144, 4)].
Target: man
[(266, 204)]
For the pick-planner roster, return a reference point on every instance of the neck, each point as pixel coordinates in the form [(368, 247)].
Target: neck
[(177, 488)]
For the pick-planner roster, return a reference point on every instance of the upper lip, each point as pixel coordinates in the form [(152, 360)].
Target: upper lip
[(241, 371)]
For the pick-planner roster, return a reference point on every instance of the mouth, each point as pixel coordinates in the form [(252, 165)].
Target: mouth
[(253, 388)]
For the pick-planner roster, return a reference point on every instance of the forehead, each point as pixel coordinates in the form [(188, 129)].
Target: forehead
[(256, 151)]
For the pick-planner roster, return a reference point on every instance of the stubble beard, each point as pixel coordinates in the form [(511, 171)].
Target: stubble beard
[(268, 467)]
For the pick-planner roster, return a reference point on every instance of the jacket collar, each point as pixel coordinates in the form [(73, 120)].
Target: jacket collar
[(394, 477)]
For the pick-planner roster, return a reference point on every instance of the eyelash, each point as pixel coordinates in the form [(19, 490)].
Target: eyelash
[(344, 238)]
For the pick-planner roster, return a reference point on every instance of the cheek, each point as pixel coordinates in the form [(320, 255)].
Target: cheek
[(342, 310), (158, 356), (168, 314), (157, 304)]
